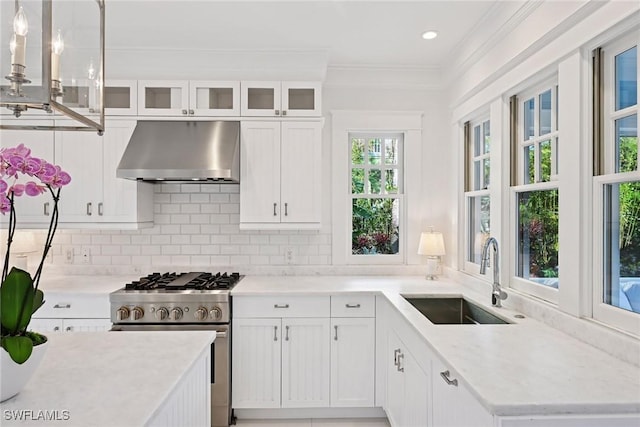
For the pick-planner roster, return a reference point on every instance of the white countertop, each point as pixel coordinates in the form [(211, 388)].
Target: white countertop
[(84, 284), (523, 368), (98, 377)]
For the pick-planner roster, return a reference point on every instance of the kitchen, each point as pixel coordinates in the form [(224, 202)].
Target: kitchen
[(416, 95)]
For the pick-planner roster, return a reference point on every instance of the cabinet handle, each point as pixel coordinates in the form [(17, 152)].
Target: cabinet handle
[(284, 112), (400, 359), (275, 333), (56, 329), (445, 376), (184, 112), (221, 334), (286, 335), (396, 352), (46, 209), (89, 208), (277, 112), (274, 209), (286, 209), (100, 208), (335, 335), (62, 306), (352, 305), (280, 306), (69, 329), (191, 113)]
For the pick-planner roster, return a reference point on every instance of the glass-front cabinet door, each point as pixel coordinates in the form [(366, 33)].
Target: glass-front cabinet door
[(301, 99), (214, 98), (120, 97), (163, 97), (260, 99)]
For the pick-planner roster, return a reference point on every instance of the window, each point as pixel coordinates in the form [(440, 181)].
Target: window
[(477, 180), (376, 193), (617, 186), (535, 189)]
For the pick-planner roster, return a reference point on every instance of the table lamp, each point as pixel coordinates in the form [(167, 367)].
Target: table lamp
[(431, 245)]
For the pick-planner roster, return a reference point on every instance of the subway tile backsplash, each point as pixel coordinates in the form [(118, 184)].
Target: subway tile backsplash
[(194, 224)]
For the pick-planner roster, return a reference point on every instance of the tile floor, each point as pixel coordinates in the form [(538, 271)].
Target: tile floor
[(317, 422)]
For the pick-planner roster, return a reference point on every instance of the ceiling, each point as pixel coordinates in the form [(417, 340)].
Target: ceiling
[(348, 33)]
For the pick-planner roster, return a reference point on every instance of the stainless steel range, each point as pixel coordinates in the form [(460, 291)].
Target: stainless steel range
[(180, 302)]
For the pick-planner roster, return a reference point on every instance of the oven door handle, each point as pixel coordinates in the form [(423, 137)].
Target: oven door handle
[(221, 334)]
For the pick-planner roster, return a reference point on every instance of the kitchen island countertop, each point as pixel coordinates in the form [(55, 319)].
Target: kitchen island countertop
[(106, 378)]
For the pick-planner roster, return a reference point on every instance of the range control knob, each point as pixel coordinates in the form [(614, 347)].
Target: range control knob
[(122, 314), (215, 313), (137, 313), (201, 313), (162, 313), (175, 314)]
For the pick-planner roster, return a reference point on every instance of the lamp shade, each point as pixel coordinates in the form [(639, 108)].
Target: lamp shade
[(431, 243)]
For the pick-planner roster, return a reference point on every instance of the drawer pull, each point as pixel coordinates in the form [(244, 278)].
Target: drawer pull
[(62, 306), (275, 333), (396, 352), (352, 305), (286, 336), (274, 209), (400, 358), (335, 336), (46, 209), (445, 376), (89, 209), (280, 306)]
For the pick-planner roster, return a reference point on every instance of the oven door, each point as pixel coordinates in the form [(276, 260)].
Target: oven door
[(220, 365)]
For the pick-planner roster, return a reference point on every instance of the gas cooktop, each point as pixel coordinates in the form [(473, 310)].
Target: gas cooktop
[(169, 282)]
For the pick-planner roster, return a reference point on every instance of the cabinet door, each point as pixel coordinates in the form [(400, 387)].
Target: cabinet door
[(416, 393), (121, 98), (80, 154), (86, 325), (256, 363), (301, 99), (395, 382), (352, 362), (213, 98), (453, 404), (45, 325), (163, 98), (260, 98), (260, 172), (123, 200), (300, 174), (30, 210), (305, 363)]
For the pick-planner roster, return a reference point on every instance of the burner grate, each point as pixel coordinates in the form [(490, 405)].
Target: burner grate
[(183, 281)]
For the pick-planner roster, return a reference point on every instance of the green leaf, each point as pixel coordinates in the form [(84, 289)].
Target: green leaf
[(16, 292), (38, 300), (19, 348)]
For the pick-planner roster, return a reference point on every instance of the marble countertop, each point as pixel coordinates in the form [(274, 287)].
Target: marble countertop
[(97, 376), (523, 368), (84, 284)]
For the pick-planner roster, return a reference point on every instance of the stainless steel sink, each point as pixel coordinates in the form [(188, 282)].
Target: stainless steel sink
[(453, 311)]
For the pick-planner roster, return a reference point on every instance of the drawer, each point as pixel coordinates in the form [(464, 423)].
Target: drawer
[(353, 305), (281, 306), (59, 305)]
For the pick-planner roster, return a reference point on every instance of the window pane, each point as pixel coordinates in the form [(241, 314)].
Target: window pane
[(529, 164), (357, 151), (391, 180), (627, 78), (486, 132), (391, 152), (545, 161), (375, 151), (476, 175), (375, 226), (357, 181), (477, 141), (622, 246), (479, 226), (529, 130), (538, 237), (627, 144), (486, 172), (545, 112), (554, 171), (375, 181)]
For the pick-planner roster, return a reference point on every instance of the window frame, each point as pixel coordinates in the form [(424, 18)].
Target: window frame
[(601, 311), (534, 91)]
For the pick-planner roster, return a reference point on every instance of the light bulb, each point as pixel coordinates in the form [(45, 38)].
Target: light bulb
[(92, 70), (20, 24), (58, 44), (12, 45)]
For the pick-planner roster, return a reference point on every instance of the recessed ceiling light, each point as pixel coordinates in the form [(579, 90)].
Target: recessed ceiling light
[(429, 35)]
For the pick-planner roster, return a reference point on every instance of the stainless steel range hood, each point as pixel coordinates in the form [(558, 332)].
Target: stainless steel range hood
[(183, 151)]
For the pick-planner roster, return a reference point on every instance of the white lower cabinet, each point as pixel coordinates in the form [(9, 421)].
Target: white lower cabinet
[(453, 404), (407, 400), (43, 325)]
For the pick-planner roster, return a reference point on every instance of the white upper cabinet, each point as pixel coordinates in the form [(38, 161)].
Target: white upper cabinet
[(121, 98), (188, 98), (280, 172), (281, 99)]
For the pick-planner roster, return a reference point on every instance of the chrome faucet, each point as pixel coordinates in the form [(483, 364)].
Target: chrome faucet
[(497, 294)]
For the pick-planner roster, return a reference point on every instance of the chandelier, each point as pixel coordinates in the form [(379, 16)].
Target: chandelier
[(53, 66)]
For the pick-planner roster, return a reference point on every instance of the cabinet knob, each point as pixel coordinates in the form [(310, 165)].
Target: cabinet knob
[(56, 329), (191, 112), (277, 112), (284, 112), (69, 329), (184, 112)]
